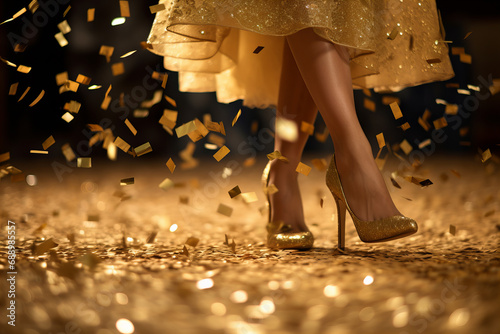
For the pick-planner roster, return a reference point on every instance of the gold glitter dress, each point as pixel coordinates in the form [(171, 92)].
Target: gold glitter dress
[(393, 43)]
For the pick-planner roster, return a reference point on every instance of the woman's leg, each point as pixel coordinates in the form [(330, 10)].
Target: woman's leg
[(295, 104), (325, 69)]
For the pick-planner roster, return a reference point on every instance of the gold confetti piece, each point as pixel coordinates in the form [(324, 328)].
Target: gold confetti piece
[(40, 96), (13, 88), (106, 51), (234, 192), (405, 126), (84, 162), (319, 164), (38, 152), (396, 111), (192, 241), (271, 189), (249, 197), (451, 109), (141, 113), (151, 238), (475, 88), (223, 131), (452, 85), (254, 127), (395, 183), (185, 251), (44, 247), (185, 128), (456, 50), (393, 34), (117, 21), (33, 6), (121, 144), (303, 169), (184, 199), (322, 136), (307, 128), (130, 127), (424, 143), (48, 142), (495, 88), (8, 62), (210, 146), (486, 155), (171, 165), (225, 210), (117, 69), (61, 39), (68, 152), (72, 106), (258, 49), (90, 14), (463, 91), (61, 78), (489, 213), (124, 8), (221, 153), (367, 92), (440, 123), (387, 100), (66, 11), (249, 162), (105, 103), (67, 117), (215, 139), (453, 229), (381, 140), (406, 147), (369, 104), (128, 54), (156, 8), (166, 184), (171, 101), (467, 35), (169, 119), (143, 149), (16, 15), (23, 69), (24, 94), (4, 156), (277, 155), (465, 58), (235, 119), (200, 132), (433, 61), (285, 129), (127, 181), (83, 79), (424, 124), (95, 127), (64, 27)]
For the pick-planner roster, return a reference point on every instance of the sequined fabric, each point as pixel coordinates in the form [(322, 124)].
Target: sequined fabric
[(211, 43)]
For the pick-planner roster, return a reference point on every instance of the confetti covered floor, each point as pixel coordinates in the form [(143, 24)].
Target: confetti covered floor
[(84, 264)]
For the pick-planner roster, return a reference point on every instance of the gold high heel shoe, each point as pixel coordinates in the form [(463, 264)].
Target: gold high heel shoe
[(378, 230), (279, 235)]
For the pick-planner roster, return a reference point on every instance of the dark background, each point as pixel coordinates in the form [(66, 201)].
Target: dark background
[(23, 128)]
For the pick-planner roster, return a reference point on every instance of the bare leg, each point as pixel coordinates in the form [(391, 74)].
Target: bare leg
[(296, 104), (325, 69)]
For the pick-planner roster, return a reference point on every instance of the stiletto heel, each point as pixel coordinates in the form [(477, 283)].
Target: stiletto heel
[(378, 230), (279, 234), (341, 210)]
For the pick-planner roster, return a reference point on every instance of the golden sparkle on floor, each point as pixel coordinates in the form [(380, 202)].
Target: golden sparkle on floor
[(94, 256)]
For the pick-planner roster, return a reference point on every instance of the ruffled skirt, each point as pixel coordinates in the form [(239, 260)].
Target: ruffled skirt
[(214, 44)]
